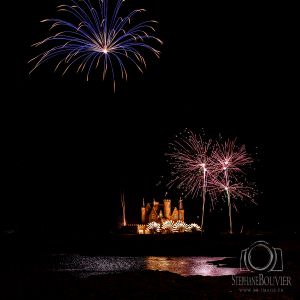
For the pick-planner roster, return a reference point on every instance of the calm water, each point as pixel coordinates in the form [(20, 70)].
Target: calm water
[(84, 266)]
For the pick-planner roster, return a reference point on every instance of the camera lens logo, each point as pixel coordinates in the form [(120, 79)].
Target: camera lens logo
[(261, 257)]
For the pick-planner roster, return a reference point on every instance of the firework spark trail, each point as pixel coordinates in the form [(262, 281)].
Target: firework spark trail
[(94, 36), (123, 209), (191, 163), (228, 159)]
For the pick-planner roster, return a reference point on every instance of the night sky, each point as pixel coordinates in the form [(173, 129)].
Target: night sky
[(72, 146)]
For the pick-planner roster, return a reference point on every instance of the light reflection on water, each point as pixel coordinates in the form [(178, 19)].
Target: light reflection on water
[(84, 266), (189, 266)]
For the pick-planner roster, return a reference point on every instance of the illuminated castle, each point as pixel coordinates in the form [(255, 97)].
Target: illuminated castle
[(161, 212), (155, 212)]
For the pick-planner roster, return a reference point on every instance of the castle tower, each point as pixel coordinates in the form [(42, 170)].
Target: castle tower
[(167, 209), (153, 217), (180, 211), (161, 214), (155, 204), (174, 216), (143, 212)]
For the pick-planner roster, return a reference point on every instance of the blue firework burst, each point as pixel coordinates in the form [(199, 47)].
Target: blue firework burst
[(97, 37)]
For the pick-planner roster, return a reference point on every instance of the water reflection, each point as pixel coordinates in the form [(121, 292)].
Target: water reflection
[(189, 266), (85, 266)]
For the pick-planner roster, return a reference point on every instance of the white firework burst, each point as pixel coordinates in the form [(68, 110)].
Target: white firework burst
[(153, 227), (182, 226), (195, 227), (168, 227)]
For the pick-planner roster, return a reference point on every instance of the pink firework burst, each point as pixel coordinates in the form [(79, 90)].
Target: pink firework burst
[(230, 157), (201, 167), (237, 190), (228, 160), (192, 167)]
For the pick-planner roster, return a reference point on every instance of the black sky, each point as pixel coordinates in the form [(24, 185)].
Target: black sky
[(71, 146)]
